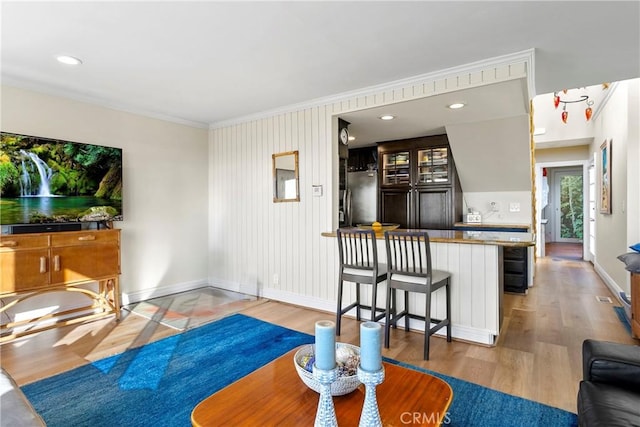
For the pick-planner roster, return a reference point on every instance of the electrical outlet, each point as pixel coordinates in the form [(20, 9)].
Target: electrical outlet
[(495, 207), (514, 207), (473, 218)]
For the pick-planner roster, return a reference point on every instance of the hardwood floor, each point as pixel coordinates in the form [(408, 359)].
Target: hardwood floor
[(564, 250), (537, 356)]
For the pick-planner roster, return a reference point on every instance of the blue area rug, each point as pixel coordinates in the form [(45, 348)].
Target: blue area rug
[(623, 317), (160, 383), (475, 405)]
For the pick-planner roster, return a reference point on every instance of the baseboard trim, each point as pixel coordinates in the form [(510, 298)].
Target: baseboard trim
[(145, 294), (463, 333), (247, 289), (297, 299), (608, 280)]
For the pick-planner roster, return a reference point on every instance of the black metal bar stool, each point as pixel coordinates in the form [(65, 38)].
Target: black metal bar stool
[(409, 270), (359, 264)]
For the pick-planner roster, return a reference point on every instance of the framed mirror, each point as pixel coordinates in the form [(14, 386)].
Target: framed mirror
[(286, 187)]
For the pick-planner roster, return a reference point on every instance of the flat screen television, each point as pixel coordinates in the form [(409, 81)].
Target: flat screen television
[(45, 180)]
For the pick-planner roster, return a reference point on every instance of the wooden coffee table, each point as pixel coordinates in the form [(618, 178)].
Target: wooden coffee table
[(275, 395)]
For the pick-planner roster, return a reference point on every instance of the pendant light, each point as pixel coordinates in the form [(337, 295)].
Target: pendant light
[(557, 100)]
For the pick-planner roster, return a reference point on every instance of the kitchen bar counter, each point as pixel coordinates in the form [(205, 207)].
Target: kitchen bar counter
[(475, 260), (499, 238), (491, 226)]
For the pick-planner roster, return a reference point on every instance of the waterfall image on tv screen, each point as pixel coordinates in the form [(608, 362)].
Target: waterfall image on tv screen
[(45, 180)]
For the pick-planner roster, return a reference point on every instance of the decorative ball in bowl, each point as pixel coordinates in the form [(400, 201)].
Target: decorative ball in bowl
[(347, 360), (378, 227)]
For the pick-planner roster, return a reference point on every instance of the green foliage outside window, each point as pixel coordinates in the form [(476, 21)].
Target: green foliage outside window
[(571, 207)]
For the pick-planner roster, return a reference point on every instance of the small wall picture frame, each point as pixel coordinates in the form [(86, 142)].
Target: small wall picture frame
[(605, 177)]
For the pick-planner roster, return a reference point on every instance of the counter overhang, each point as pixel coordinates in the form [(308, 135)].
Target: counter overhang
[(499, 238)]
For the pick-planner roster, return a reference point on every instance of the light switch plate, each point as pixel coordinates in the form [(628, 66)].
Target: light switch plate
[(317, 190)]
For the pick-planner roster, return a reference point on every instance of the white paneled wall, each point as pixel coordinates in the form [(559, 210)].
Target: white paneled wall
[(252, 240)]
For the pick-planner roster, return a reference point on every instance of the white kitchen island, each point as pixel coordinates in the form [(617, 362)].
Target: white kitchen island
[(474, 259)]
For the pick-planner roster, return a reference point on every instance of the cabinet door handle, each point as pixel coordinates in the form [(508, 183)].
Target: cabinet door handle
[(56, 263), (43, 264), (85, 238), (9, 243)]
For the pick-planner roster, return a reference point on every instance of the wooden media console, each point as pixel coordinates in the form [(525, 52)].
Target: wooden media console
[(41, 263)]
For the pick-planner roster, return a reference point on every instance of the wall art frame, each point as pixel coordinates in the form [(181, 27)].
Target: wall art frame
[(605, 177)]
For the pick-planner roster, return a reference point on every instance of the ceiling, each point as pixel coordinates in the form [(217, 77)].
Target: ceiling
[(431, 115), (204, 63)]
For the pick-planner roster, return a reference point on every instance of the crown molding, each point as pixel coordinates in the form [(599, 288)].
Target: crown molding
[(34, 87), (526, 56)]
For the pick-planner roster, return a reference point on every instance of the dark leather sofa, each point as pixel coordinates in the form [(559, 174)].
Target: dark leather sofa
[(609, 393)]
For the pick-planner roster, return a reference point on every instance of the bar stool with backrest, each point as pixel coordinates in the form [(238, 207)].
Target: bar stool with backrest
[(359, 264), (409, 270)]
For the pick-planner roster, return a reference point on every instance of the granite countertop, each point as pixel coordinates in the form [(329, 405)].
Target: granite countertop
[(523, 227), (500, 238)]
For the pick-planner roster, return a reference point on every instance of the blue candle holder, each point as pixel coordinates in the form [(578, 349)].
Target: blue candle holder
[(370, 416), (326, 414)]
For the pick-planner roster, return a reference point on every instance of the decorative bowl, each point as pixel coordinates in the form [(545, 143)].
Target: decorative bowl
[(384, 226), (347, 359)]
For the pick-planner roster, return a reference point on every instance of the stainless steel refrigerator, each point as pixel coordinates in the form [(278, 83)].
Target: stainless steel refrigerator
[(363, 193)]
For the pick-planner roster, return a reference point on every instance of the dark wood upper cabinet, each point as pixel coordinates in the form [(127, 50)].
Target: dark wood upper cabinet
[(418, 183), (363, 159)]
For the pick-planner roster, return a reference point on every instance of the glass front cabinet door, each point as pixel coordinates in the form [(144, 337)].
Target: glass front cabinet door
[(433, 166), (396, 168)]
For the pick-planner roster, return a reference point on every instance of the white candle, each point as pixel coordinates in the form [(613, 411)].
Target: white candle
[(325, 345), (370, 347)]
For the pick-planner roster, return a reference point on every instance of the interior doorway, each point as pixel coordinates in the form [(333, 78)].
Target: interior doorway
[(562, 205)]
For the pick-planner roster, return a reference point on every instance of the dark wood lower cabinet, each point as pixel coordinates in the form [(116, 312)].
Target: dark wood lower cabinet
[(516, 273), (394, 207), (426, 208), (433, 208)]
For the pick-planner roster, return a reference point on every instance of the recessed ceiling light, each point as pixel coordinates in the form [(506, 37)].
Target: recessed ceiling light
[(68, 60), (456, 105), (387, 117)]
